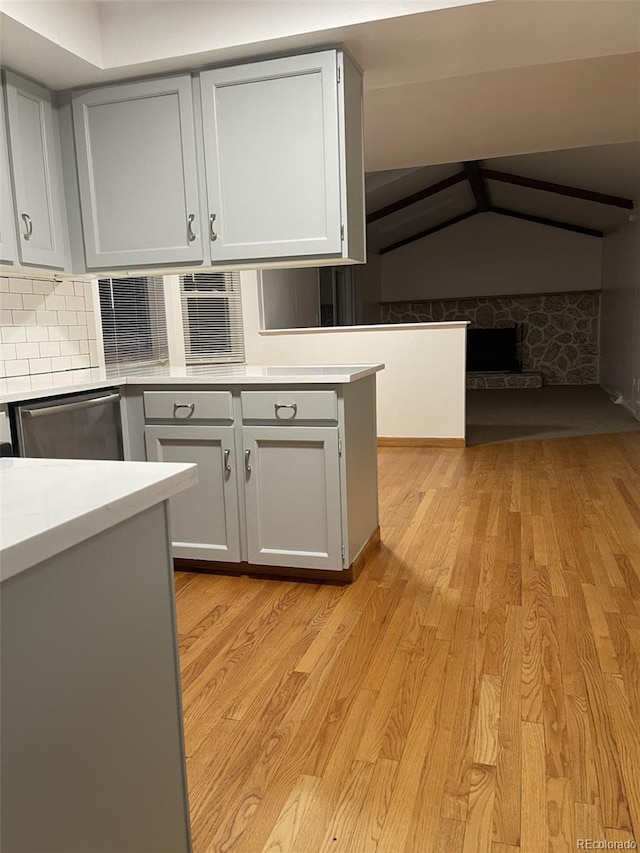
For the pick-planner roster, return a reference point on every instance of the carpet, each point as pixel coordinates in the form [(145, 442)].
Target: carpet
[(550, 412)]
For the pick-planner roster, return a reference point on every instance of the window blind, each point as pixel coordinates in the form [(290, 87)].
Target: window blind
[(134, 325), (212, 317)]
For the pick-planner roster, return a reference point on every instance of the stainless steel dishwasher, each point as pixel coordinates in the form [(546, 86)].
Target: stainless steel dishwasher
[(83, 426)]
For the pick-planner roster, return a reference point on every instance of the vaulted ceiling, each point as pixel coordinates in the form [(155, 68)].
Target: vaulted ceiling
[(611, 170)]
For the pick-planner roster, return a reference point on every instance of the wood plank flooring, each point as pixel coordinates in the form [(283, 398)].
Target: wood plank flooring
[(477, 689)]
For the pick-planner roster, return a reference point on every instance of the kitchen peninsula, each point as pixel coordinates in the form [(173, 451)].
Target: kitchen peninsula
[(286, 459), (92, 747)]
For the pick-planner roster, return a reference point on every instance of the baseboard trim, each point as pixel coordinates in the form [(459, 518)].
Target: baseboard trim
[(388, 441), (284, 572)]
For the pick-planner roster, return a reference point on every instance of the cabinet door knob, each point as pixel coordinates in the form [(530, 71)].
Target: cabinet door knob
[(227, 466), (247, 466), (28, 226), (212, 232), (190, 232)]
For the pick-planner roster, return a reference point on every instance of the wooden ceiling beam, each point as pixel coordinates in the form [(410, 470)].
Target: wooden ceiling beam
[(558, 189), (473, 172), (414, 198), (428, 231), (543, 220)]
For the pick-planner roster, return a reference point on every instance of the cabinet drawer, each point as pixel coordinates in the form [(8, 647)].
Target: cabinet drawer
[(188, 405), (294, 406)]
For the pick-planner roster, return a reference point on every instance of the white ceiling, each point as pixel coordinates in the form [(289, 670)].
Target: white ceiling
[(609, 169), (445, 80)]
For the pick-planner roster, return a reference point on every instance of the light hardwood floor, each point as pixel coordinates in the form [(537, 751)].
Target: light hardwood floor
[(477, 689)]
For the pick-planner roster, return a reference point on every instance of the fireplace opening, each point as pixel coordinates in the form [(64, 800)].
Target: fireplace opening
[(493, 350)]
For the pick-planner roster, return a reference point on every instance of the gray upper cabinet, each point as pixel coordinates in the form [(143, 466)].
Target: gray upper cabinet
[(273, 153), (7, 222), (37, 174), (136, 152)]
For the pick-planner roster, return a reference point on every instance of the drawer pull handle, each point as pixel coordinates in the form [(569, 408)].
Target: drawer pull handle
[(292, 406), (212, 230), (227, 466), (190, 232), (247, 466), (177, 406), (29, 226)]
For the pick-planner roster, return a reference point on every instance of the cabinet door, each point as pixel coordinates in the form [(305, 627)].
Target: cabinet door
[(37, 173), (272, 157), (204, 519), (7, 221), (292, 494), (136, 155)]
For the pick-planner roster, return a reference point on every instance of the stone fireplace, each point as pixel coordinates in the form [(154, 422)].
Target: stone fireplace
[(559, 339)]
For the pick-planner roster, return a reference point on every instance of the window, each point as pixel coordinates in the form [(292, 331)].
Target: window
[(134, 326), (212, 317)]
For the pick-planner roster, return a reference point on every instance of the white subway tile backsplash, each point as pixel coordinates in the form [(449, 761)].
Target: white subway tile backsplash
[(7, 352), (39, 365), (74, 303), (58, 333), (69, 347), (65, 288), (47, 318), (45, 326), (61, 362), (28, 351), (16, 368), (55, 303), (38, 333), (13, 334), (11, 300), (31, 302), (79, 361), (24, 318), (51, 348)]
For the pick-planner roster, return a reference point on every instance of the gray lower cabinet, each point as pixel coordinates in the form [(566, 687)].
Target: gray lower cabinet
[(292, 496), (7, 222), (204, 519), (287, 474), (37, 173), (136, 154)]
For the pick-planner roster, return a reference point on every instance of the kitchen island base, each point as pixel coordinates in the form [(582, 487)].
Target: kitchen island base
[(285, 572), (92, 753)]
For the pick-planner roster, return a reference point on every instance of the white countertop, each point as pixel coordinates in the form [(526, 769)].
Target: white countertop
[(18, 388), (49, 505)]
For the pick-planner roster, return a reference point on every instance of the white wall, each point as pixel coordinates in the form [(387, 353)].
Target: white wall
[(421, 393), (620, 315), (492, 255), (46, 326), (291, 298)]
